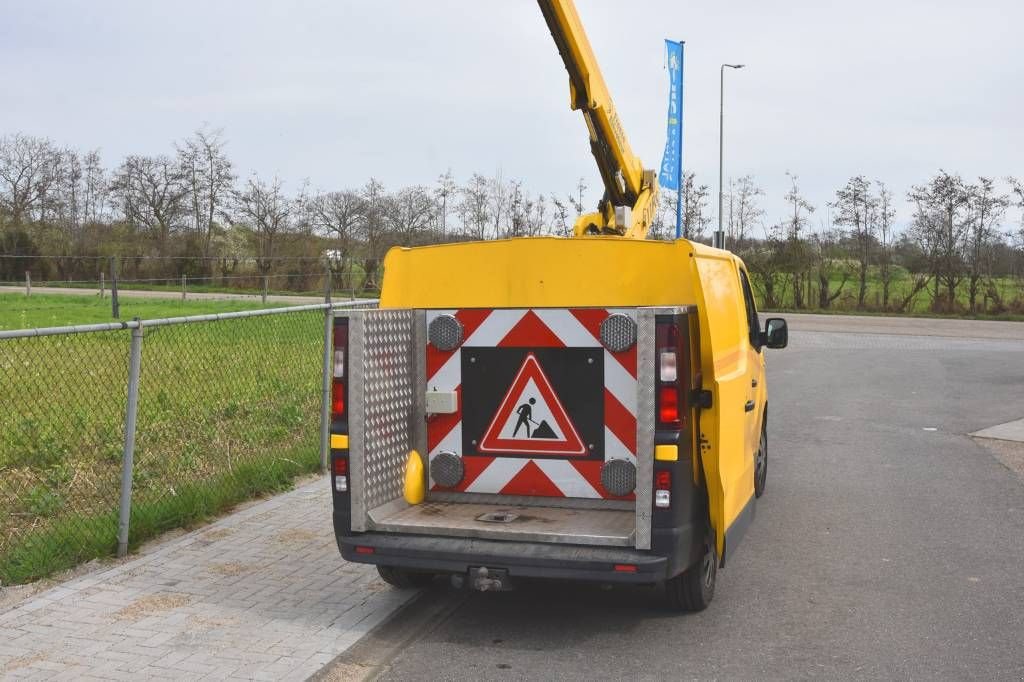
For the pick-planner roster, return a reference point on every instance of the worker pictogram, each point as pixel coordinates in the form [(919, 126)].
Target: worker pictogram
[(531, 418)]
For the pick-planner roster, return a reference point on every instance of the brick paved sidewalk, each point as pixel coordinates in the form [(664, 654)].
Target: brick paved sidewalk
[(260, 594)]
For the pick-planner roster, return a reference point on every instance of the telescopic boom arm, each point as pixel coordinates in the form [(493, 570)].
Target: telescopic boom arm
[(630, 190)]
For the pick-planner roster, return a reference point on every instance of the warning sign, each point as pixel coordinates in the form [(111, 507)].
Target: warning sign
[(531, 419)]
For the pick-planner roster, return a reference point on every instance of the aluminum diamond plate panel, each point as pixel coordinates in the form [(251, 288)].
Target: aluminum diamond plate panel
[(383, 400)]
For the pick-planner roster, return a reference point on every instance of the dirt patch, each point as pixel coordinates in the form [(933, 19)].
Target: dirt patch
[(296, 536), (1009, 453), (230, 568), (21, 662), (153, 604), (204, 623), (215, 534)]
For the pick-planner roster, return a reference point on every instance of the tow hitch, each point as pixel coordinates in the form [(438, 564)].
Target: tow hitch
[(483, 579)]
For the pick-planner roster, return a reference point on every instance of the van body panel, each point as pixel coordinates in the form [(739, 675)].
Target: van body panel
[(608, 273)]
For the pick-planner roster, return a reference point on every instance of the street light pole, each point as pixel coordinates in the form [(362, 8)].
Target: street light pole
[(719, 241)]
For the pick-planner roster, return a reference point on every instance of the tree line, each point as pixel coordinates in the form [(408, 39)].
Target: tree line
[(188, 212)]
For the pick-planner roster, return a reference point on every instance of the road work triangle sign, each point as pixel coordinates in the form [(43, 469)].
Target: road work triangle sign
[(531, 419)]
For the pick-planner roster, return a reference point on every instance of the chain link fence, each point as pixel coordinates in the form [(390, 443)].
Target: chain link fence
[(113, 433)]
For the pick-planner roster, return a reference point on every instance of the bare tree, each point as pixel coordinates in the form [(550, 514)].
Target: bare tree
[(410, 214), (795, 253), (744, 210), (856, 208), (337, 215), (696, 217), (151, 191), (373, 229), (986, 208), (560, 217), (445, 192), (27, 166), (498, 201), (208, 174), (886, 215), (264, 210), (941, 226), (474, 207)]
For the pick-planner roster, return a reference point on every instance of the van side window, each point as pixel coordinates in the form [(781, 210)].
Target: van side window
[(753, 323)]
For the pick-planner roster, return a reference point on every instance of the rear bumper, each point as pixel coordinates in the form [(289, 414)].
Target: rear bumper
[(521, 559)]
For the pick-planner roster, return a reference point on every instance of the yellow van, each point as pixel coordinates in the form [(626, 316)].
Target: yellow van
[(585, 408)]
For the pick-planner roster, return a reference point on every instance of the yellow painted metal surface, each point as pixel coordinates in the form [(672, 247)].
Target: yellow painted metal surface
[(542, 272), (339, 442), (666, 453), (415, 479)]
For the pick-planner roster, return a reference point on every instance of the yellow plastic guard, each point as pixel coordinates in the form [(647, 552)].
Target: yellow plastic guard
[(415, 489), (339, 442), (666, 453)]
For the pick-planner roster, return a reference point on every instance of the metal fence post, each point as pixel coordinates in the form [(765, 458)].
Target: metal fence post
[(128, 457), (28, 283), (325, 403), (266, 285), (115, 306), (183, 287), (102, 285)]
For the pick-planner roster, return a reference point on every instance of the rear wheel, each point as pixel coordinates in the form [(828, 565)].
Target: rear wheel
[(761, 464), (402, 578), (694, 588)]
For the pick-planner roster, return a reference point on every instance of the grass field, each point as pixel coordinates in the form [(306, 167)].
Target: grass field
[(18, 311), (227, 410), (1011, 293)]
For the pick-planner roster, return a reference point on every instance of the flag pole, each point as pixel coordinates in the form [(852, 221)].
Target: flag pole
[(679, 156)]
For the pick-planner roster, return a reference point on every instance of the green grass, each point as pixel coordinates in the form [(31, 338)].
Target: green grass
[(18, 311), (227, 410), (1010, 290)]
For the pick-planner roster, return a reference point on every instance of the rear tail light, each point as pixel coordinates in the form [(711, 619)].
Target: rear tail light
[(339, 395), (625, 568), (670, 394), (341, 474), (663, 488)]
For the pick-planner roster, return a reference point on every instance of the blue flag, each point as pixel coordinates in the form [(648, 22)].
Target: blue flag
[(672, 160)]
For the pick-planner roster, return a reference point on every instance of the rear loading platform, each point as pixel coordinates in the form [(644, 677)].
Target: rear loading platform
[(537, 430)]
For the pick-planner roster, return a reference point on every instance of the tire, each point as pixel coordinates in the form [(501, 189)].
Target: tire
[(403, 579), (761, 463), (694, 588)]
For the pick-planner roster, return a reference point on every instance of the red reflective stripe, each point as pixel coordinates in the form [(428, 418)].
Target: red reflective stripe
[(591, 471), (471, 319), (531, 481), (625, 568), (591, 318), (530, 331), (619, 421), (472, 467)]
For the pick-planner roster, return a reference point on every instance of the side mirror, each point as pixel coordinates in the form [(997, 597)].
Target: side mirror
[(776, 334)]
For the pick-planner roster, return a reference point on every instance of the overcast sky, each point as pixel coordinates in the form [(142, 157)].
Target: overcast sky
[(341, 90)]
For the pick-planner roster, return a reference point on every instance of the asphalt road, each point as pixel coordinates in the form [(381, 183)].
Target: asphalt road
[(889, 544)]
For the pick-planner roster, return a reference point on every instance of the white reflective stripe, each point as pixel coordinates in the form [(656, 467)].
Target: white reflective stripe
[(615, 449), (451, 442), (620, 383), (494, 328), (449, 376), (497, 475), (567, 328), (566, 478)]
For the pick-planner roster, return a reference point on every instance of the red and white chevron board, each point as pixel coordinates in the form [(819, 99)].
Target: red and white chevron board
[(535, 328)]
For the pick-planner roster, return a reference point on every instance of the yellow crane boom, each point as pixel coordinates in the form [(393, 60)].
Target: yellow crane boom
[(630, 191)]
